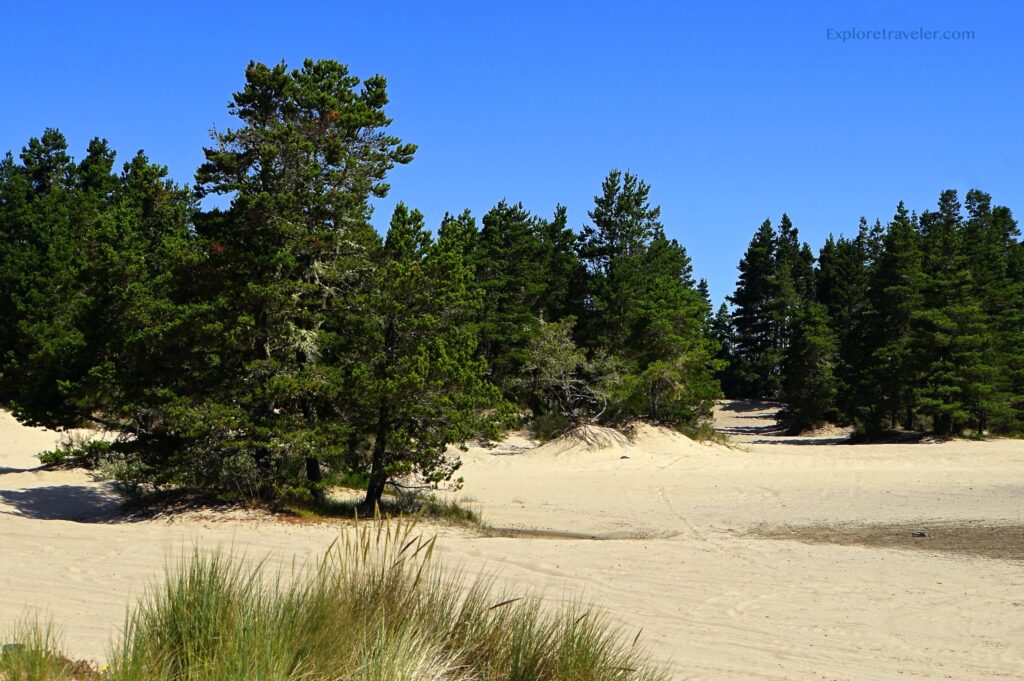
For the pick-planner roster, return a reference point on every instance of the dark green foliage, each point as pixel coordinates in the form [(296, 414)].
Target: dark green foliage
[(310, 152), (74, 453), (990, 234), (1014, 333), (614, 250), (724, 333), (643, 308), (417, 383), (950, 329), (508, 269), (776, 276), (756, 352), (810, 386), (277, 345), (563, 274), (844, 271), (921, 322), (886, 397), (88, 275)]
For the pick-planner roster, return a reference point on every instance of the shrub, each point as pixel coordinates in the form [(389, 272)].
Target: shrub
[(77, 451)]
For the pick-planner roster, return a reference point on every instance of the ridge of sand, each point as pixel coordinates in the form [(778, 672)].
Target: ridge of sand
[(597, 444), (677, 558)]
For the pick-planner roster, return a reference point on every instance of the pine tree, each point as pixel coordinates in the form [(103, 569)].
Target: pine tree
[(94, 286), (844, 268), (756, 350), (895, 294), (989, 237), (792, 284), (724, 333), (809, 390), (670, 345), (644, 308), (1014, 329), (562, 272), (508, 257), (624, 226), (418, 383), (950, 329), (39, 273), (312, 149)]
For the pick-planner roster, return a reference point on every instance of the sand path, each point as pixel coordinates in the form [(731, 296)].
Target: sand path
[(673, 551)]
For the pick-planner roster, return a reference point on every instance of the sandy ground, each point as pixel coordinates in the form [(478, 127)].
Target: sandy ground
[(661, 533)]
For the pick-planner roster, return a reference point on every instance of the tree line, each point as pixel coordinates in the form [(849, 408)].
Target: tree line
[(917, 324), (267, 348)]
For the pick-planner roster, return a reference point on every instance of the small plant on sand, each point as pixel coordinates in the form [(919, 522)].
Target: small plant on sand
[(76, 451), (414, 503)]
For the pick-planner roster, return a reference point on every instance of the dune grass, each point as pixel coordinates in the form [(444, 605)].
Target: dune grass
[(374, 608), (35, 656), (418, 504)]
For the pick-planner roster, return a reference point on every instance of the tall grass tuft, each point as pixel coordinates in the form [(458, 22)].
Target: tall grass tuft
[(374, 608), (34, 656)]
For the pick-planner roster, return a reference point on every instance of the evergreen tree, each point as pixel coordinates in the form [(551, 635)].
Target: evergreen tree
[(508, 265), (670, 344), (312, 149), (644, 307), (950, 329), (94, 290), (843, 274), (757, 352), (809, 390), (705, 296), (895, 295), (989, 237), (39, 272), (1014, 331), (417, 382), (563, 274), (724, 333), (792, 284), (612, 249)]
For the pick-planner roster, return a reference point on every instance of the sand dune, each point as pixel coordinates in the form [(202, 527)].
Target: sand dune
[(659, 531)]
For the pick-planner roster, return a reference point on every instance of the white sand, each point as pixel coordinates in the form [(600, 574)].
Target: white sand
[(673, 558)]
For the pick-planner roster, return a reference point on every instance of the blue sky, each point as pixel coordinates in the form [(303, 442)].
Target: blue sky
[(733, 113)]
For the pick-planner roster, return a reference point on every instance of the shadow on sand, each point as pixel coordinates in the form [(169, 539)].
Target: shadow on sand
[(803, 441), (750, 405), (80, 503)]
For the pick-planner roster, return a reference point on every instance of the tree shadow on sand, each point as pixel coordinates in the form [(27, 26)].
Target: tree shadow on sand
[(843, 440), (749, 405), (80, 503), (763, 429)]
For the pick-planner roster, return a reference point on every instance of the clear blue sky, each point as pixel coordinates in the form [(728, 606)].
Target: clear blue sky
[(733, 113)]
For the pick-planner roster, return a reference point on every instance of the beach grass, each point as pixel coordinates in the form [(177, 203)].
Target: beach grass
[(408, 504), (375, 607)]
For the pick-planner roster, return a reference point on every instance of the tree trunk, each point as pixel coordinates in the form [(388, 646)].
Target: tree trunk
[(378, 476), (313, 472), (315, 476)]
